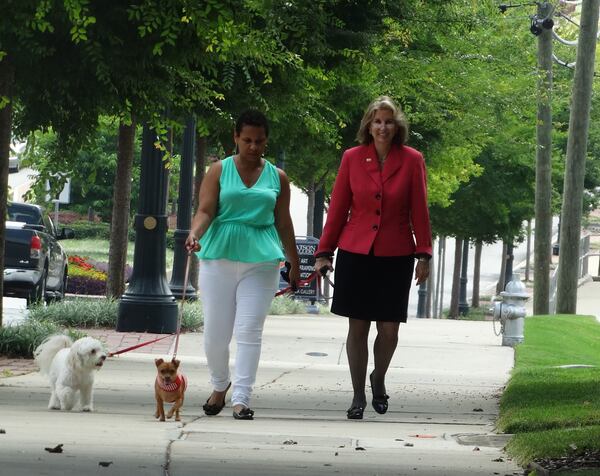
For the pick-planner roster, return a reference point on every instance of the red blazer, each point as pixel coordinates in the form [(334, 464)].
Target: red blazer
[(384, 210)]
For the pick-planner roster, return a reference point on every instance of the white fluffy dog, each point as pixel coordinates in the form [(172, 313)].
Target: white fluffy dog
[(70, 367)]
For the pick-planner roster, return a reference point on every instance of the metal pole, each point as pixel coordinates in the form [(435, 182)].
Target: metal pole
[(543, 170), (184, 214), (570, 232), (463, 305), (442, 273), (148, 304), (421, 302)]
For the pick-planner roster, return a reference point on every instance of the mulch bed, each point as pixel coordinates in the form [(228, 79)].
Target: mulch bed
[(589, 459), (10, 367)]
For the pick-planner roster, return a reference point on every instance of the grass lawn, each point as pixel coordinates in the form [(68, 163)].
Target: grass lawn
[(554, 412), (98, 250)]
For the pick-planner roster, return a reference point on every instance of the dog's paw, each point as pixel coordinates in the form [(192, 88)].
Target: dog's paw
[(53, 407), (87, 408)]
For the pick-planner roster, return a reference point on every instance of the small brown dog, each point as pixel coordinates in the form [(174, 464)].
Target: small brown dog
[(169, 387)]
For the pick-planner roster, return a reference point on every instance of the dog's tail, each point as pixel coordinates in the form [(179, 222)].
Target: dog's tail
[(46, 351)]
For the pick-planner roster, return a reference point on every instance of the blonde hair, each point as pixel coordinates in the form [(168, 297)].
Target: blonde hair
[(383, 102)]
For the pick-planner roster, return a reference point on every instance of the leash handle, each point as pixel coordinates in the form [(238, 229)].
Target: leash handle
[(301, 284)]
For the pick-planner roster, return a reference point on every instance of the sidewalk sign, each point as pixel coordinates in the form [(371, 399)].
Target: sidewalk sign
[(306, 246)]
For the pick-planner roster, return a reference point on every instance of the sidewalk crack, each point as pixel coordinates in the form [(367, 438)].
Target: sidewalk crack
[(283, 374), (182, 432)]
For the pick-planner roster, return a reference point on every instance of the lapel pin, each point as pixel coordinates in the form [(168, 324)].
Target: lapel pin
[(368, 159)]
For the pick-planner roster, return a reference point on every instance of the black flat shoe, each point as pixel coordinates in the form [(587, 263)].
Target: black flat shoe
[(215, 408), (379, 402), (355, 413), (244, 414)]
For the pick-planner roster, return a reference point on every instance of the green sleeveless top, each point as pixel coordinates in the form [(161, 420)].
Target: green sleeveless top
[(244, 228)]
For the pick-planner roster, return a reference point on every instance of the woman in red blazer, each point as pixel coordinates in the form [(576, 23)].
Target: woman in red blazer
[(378, 220)]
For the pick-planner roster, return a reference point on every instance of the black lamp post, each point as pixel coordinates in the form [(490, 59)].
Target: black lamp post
[(184, 214), (463, 305), (148, 304)]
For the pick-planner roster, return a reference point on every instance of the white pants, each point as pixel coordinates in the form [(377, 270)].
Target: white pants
[(236, 298)]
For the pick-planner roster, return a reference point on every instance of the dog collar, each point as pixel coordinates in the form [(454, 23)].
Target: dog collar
[(181, 380)]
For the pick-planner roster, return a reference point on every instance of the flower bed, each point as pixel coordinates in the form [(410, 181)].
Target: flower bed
[(85, 277)]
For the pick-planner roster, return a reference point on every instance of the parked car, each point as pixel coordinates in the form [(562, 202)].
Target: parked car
[(35, 263)]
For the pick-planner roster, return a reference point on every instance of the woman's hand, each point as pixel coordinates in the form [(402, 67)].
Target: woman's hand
[(295, 275), (421, 271), (323, 262), (191, 243)]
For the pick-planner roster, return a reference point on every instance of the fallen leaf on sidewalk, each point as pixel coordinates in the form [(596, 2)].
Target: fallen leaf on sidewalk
[(477, 409), (360, 448), (498, 460), (476, 448), (105, 464), (423, 436), (2, 431), (290, 442), (408, 444), (56, 449)]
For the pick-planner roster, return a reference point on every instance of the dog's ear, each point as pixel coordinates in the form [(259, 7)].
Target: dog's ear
[(176, 363), (159, 362)]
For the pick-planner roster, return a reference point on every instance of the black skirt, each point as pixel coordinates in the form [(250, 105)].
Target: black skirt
[(372, 288)]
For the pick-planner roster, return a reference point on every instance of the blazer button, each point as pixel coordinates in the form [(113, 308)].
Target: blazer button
[(378, 196), (377, 212), (375, 227)]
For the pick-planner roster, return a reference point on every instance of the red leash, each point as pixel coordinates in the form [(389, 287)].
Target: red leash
[(137, 346), (301, 284), (179, 319)]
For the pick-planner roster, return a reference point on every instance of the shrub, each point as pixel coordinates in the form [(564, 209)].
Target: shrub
[(287, 305), (22, 339), (91, 313), (86, 229)]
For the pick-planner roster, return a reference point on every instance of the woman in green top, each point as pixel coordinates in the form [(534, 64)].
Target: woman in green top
[(241, 225)]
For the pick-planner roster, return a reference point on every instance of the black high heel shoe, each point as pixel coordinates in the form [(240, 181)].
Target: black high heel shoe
[(215, 408), (379, 402), (355, 412)]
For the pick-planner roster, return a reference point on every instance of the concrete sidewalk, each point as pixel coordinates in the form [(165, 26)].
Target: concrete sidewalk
[(444, 383)]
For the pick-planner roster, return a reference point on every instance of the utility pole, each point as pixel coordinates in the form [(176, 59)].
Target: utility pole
[(566, 298), (543, 169)]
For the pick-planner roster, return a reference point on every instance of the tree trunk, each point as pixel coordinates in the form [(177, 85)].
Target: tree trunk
[(318, 211), (528, 256), (310, 212), (6, 84), (543, 172), (501, 282), (570, 232), (200, 170), (476, 273), (453, 312), (119, 232)]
